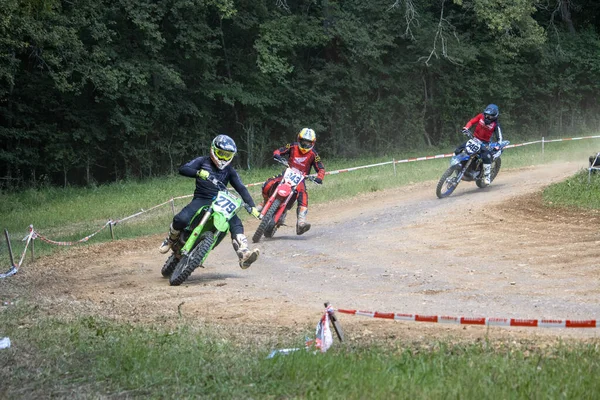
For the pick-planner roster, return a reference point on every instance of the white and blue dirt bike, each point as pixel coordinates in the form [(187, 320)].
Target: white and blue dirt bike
[(468, 166), (207, 228)]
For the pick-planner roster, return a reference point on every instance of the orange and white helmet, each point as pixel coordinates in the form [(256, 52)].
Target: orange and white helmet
[(306, 140)]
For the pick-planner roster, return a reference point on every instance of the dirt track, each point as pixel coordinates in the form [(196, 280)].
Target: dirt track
[(494, 252)]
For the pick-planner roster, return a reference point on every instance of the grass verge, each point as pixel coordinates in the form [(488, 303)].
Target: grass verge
[(575, 191), (95, 358)]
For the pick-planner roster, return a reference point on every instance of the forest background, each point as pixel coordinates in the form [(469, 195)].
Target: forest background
[(98, 91)]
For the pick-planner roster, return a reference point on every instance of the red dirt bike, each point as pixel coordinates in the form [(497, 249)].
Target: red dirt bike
[(280, 201)]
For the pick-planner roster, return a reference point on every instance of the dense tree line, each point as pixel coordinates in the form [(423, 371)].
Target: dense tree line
[(102, 90)]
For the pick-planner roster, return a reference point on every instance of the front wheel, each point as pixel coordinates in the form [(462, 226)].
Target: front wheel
[(448, 182), (266, 221), (188, 263)]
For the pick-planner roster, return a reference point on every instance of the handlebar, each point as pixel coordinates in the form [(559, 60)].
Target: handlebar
[(286, 164), (222, 186), (281, 161)]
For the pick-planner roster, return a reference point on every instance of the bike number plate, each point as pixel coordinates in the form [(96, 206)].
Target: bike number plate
[(473, 146), (225, 204), (293, 175)]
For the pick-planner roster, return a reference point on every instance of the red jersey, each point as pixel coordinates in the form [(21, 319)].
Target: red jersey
[(484, 132), (300, 161)]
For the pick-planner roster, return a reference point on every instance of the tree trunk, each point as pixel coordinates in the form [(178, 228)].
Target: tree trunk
[(424, 113), (565, 13)]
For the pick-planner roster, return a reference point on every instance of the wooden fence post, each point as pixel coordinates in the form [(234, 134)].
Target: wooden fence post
[(112, 233)]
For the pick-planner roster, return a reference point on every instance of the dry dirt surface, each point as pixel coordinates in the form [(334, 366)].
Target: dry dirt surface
[(494, 252)]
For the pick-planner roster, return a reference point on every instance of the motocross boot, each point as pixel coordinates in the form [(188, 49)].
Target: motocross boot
[(169, 240), (246, 256), (487, 171), (302, 226)]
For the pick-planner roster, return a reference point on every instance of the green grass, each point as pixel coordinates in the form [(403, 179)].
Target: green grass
[(71, 214), (97, 358), (575, 191)]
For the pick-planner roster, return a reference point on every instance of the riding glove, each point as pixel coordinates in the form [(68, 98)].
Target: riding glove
[(255, 212), (203, 174)]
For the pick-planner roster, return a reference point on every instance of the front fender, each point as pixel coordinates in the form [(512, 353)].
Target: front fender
[(220, 222), (284, 190), (459, 159)]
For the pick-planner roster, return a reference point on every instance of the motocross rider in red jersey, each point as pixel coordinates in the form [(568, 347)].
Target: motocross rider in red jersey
[(302, 156), (486, 125)]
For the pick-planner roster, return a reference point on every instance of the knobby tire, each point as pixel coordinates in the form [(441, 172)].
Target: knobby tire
[(496, 164), (495, 168), (266, 221), (189, 263), (169, 266), (447, 174)]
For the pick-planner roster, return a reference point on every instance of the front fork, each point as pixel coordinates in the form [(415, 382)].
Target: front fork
[(284, 206), (281, 209), (185, 250), (462, 171)]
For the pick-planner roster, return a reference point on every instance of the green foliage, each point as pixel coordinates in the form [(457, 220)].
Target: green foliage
[(511, 23), (98, 91)]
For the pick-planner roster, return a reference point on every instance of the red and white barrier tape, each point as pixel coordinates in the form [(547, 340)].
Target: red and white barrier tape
[(14, 268), (37, 235), (442, 319)]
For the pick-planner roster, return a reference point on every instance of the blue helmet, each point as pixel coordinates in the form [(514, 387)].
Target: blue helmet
[(490, 114)]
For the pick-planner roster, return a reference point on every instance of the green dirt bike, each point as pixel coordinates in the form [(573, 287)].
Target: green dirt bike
[(207, 228)]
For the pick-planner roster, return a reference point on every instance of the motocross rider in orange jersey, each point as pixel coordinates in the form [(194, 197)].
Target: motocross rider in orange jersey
[(302, 156), (487, 125)]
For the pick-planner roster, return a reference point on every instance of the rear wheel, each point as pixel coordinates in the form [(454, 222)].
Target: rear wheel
[(267, 223), (495, 168), (169, 266), (496, 164), (190, 262), (448, 182)]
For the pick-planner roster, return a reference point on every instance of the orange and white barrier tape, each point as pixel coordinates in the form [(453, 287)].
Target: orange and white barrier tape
[(442, 319)]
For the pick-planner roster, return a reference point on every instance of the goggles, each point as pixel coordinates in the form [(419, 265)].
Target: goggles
[(306, 144), (224, 154)]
